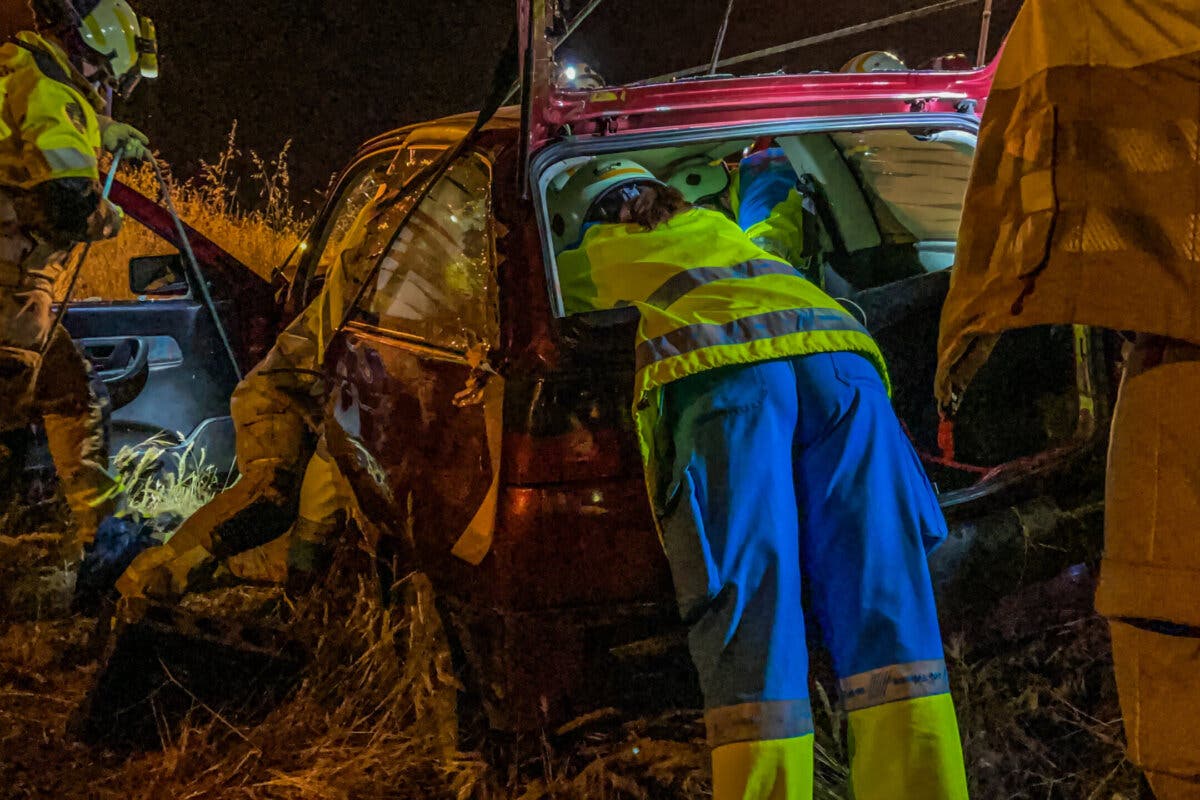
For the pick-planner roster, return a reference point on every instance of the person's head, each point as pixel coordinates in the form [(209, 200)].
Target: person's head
[(610, 190), (874, 61), (105, 39)]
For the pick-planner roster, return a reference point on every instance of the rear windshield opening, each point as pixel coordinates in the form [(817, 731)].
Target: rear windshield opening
[(882, 205), (880, 224)]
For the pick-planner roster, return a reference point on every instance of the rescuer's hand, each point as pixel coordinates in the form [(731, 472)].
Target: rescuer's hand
[(117, 135), (105, 222), (161, 573)]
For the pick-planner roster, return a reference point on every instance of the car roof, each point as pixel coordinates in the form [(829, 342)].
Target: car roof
[(443, 131)]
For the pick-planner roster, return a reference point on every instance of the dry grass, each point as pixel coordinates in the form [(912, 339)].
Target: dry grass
[(259, 233), (375, 718), (155, 487)]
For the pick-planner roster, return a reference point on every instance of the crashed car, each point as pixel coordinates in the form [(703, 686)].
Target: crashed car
[(471, 414), (487, 434)]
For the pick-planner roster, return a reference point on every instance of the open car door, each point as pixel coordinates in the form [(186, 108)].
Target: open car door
[(160, 354)]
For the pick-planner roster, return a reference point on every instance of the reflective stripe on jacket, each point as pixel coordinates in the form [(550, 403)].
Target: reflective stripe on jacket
[(708, 298), (48, 125)]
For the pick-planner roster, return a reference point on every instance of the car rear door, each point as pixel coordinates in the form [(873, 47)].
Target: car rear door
[(161, 355)]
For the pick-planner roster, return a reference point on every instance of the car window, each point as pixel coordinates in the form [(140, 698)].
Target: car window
[(915, 186), (435, 280), (105, 274), (359, 190)]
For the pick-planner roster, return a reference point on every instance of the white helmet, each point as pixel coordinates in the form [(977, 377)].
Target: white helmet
[(586, 194), (874, 61), (123, 45)]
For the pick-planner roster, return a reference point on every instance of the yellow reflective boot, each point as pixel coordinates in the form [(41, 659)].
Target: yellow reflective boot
[(907, 750), (774, 769)]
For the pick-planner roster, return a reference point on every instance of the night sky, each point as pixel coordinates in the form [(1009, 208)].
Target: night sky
[(328, 75)]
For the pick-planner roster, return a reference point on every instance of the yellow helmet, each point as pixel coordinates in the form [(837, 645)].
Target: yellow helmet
[(874, 61), (106, 34), (126, 44), (587, 193)]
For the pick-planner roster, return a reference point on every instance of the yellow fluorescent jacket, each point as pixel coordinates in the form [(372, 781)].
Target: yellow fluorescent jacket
[(708, 298), (48, 125)]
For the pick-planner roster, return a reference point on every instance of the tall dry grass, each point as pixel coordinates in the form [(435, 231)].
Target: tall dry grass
[(259, 231)]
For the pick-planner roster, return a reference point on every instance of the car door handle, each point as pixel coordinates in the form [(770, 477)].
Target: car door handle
[(123, 367)]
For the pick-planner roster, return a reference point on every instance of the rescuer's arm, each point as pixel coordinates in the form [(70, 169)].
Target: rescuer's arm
[(64, 203), (768, 207)]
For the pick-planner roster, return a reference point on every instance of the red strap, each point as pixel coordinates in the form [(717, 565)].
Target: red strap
[(945, 437)]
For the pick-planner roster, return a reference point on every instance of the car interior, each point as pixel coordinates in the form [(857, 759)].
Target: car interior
[(883, 207)]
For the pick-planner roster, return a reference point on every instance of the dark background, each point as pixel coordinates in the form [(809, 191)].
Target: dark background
[(327, 75)]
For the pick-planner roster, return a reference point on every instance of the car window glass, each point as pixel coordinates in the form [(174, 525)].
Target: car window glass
[(915, 187), (435, 279), (357, 192)]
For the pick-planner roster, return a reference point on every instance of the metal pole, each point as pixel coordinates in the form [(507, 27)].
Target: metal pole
[(985, 25), (197, 273), (572, 26), (906, 16), (716, 56)]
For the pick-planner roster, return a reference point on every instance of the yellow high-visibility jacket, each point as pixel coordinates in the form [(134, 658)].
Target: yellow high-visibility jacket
[(708, 298), (48, 124), (1082, 205)]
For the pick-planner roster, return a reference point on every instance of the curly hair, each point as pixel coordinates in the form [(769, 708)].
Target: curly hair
[(653, 206)]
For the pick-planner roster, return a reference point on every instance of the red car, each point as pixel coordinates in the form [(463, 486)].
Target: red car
[(573, 602), (466, 404)]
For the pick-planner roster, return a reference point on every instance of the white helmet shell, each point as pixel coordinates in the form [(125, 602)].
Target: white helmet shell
[(587, 184), (700, 182)]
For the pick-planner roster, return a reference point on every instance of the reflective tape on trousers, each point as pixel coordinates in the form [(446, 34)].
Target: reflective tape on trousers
[(896, 682), (681, 283), (768, 325), (756, 722)]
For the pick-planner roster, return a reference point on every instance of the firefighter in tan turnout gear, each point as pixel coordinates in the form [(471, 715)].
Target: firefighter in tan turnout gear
[(51, 133), (286, 472), (1083, 210)]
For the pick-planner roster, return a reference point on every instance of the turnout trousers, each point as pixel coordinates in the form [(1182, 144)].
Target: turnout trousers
[(1150, 575), (793, 476), (55, 387)]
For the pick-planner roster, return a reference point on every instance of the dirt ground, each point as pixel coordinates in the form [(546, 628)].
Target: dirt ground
[(1033, 687)]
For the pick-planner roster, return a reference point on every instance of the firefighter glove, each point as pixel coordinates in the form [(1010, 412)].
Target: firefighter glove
[(117, 135)]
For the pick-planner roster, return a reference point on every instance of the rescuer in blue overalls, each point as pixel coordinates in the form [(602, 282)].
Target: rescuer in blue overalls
[(774, 464)]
